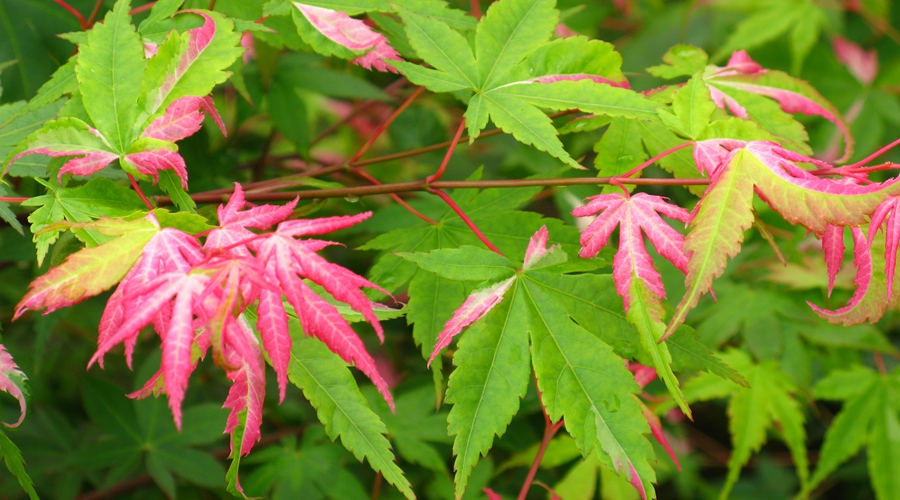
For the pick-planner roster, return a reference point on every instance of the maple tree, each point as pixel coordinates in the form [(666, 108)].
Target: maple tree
[(532, 336)]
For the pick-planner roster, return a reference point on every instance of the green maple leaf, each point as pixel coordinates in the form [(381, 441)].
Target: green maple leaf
[(753, 411), (328, 384), (774, 18), (571, 323), (870, 417), (513, 71), (98, 198)]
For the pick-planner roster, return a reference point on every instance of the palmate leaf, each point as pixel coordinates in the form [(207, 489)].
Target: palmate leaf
[(737, 169), (110, 68), (513, 72), (491, 374), (329, 386), (869, 417), (753, 410)]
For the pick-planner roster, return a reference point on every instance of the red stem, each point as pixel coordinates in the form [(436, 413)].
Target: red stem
[(384, 125), (74, 12), (440, 171), (550, 430), (475, 8), (401, 201), (94, 13), (656, 158), (879, 362), (12, 199), (874, 155), (142, 8), (137, 189), (465, 218)]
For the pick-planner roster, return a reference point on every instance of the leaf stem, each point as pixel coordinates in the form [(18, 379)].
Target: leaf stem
[(656, 158), (879, 362), (384, 125), (550, 430), (137, 189), (94, 13), (13, 199), (357, 109), (142, 8), (872, 156), (74, 12), (465, 218), (440, 171)]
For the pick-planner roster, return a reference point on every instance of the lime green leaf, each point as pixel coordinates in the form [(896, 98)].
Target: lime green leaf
[(445, 49), (61, 137), (110, 69), (490, 379), (681, 60), (692, 108), (884, 448), (763, 26), (620, 150), (509, 31), (11, 455), (171, 184), (328, 384), (688, 353), (584, 382), (466, 263), (646, 313)]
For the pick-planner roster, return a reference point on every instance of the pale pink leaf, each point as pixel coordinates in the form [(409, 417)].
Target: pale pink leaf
[(352, 34), (574, 77), (743, 63), (711, 153), (725, 101), (176, 345), (833, 247), (235, 223), (181, 119), (86, 165), (537, 248), (11, 382), (862, 64), (198, 39), (474, 308), (491, 494), (643, 374), (636, 216), (149, 163), (150, 49)]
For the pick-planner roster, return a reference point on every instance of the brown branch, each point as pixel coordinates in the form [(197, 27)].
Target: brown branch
[(406, 187)]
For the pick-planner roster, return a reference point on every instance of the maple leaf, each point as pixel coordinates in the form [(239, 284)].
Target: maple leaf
[(513, 71), (351, 34), (491, 375), (753, 410), (12, 382), (868, 418), (731, 85), (862, 64), (637, 281), (737, 169)]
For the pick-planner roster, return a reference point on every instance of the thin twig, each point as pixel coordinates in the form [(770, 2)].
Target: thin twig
[(137, 189), (384, 125), (94, 13), (465, 218), (440, 171), (394, 196), (74, 12)]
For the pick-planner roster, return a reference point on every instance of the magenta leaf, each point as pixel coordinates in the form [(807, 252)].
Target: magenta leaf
[(574, 77), (248, 388), (833, 247), (183, 118), (479, 303), (888, 214), (12, 382), (235, 223), (149, 163), (657, 431), (352, 34), (636, 216), (537, 248)]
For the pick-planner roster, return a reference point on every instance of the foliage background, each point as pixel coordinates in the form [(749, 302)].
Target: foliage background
[(85, 439)]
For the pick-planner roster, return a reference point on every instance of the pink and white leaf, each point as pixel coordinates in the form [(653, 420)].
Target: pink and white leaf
[(198, 40), (177, 342), (474, 308), (635, 215), (833, 247), (537, 248), (711, 153), (276, 338), (12, 382), (86, 165), (574, 77), (149, 163), (352, 34), (235, 223), (862, 64), (183, 118)]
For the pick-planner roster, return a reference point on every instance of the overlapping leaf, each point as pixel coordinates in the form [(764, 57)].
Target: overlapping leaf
[(512, 72)]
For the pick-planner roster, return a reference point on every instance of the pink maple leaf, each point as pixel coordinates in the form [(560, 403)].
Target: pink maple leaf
[(248, 384), (183, 118), (643, 375), (11, 381), (476, 305), (862, 64), (150, 162), (198, 40), (833, 247), (574, 77), (537, 248), (235, 222), (635, 215), (794, 96), (352, 34)]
